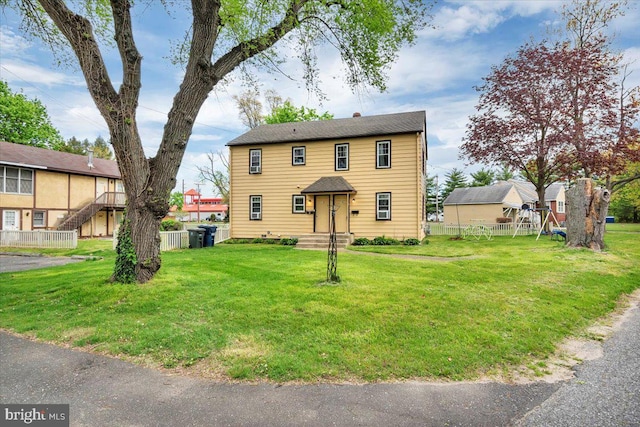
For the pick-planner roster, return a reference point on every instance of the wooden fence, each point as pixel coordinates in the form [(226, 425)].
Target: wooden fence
[(507, 229), (39, 239)]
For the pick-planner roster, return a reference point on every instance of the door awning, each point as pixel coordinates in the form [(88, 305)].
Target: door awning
[(329, 184)]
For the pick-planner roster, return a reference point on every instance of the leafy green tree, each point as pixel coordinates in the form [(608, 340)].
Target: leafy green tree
[(75, 146), (177, 199), (287, 112), (26, 121), (454, 179), (222, 36), (102, 149), (483, 178), (504, 174), (625, 203), (433, 196)]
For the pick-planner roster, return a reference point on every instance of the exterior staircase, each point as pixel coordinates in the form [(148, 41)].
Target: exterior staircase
[(75, 220), (321, 241)]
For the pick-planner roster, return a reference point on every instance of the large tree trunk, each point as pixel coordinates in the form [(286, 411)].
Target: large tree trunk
[(587, 208)]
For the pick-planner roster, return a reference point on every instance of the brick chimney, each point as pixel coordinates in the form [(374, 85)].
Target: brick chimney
[(356, 114)]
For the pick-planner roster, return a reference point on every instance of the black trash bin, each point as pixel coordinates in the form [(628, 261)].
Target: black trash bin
[(209, 234), (196, 238)]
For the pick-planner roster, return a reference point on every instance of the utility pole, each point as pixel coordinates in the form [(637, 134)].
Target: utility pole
[(198, 184)]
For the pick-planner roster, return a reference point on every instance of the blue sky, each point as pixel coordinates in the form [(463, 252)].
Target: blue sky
[(437, 74)]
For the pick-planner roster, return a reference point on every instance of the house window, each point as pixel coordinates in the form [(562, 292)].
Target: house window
[(383, 154), (342, 157), (38, 219), (298, 156), (298, 204), (255, 161), (560, 207), (383, 206), (15, 180), (255, 208)]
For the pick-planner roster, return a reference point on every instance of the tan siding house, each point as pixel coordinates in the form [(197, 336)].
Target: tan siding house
[(49, 190), (287, 178)]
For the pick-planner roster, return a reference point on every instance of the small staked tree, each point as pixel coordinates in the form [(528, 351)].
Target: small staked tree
[(222, 35)]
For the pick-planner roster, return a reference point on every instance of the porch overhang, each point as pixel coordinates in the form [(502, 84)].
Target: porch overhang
[(330, 184)]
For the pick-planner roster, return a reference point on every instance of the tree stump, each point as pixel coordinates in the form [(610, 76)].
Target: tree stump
[(587, 208)]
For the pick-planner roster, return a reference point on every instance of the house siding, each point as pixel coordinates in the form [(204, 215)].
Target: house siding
[(280, 180)]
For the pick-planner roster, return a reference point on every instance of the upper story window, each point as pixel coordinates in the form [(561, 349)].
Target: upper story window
[(255, 208), (383, 206), (298, 156), (342, 157), (383, 154), (16, 180), (255, 160)]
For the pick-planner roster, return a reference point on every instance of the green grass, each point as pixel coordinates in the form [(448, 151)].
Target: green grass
[(262, 312)]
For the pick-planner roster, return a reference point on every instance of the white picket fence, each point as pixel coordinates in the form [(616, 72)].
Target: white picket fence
[(39, 239), (506, 229), (170, 240)]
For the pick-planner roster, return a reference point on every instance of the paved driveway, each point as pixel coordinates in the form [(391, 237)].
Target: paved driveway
[(21, 262)]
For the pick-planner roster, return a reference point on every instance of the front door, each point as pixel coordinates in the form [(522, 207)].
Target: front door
[(10, 220), (322, 214), (340, 201)]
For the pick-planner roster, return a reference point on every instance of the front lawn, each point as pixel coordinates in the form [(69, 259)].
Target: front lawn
[(262, 312)]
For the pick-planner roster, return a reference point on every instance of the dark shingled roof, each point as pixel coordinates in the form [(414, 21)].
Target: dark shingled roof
[(387, 124), (478, 195), (329, 184), (39, 158)]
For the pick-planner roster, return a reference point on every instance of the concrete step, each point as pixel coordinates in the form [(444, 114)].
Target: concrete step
[(321, 241)]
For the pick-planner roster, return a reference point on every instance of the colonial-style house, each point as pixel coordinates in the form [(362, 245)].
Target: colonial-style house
[(506, 199), (52, 190), (287, 180)]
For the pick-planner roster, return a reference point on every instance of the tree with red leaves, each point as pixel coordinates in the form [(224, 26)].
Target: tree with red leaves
[(560, 111)]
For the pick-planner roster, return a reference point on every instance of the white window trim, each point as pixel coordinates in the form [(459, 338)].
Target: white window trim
[(303, 155), (383, 214), (255, 216), (298, 201), (388, 155), (3, 181), (558, 204), (253, 168), (346, 157)]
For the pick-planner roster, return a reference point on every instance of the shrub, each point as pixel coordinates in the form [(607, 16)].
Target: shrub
[(384, 241), (170, 225), (361, 241), (258, 240), (425, 241), (411, 242), (270, 241), (289, 242)]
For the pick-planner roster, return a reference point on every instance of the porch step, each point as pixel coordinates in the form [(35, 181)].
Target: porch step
[(321, 241)]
